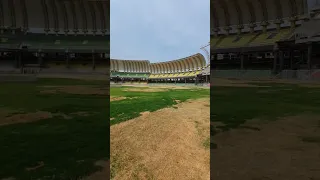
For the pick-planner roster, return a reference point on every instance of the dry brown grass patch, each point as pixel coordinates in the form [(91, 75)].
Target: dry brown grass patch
[(156, 88), (276, 151), (117, 98), (4, 112), (164, 144), (25, 117), (144, 113), (160, 87), (6, 116), (145, 90), (173, 87), (177, 101), (39, 165)]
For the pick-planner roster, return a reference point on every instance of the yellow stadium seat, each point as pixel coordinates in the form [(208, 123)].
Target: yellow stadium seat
[(235, 40), (271, 37), (215, 41)]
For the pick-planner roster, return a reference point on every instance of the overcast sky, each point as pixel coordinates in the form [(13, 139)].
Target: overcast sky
[(158, 30)]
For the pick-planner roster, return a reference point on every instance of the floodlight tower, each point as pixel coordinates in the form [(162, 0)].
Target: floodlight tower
[(203, 48)]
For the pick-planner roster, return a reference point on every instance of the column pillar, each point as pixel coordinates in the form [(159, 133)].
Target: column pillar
[(242, 60), (239, 29), (40, 60), (310, 56), (16, 59), (264, 25), (291, 58), (281, 58), (275, 61), (67, 59), (252, 26), (293, 22), (93, 61)]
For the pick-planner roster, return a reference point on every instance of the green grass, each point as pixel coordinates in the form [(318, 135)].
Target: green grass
[(233, 106), (67, 147), (147, 101)]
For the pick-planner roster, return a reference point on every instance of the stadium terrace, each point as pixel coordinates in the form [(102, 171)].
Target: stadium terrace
[(54, 36), (191, 69), (265, 39)]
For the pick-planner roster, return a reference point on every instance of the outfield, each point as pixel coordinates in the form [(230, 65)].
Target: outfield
[(265, 130), (159, 132), (53, 128)]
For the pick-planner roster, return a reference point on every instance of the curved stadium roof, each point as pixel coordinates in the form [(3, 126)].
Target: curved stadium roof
[(227, 13), (190, 63)]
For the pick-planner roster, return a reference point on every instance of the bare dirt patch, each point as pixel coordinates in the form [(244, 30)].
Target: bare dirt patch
[(177, 101), (25, 117), (39, 165), (144, 113), (75, 90), (6, 116), (276, 151), (81, 113), (165, 144), (173, 87), (145, 90), (116, 98), (4, 112), (160, 87), (156, 88)]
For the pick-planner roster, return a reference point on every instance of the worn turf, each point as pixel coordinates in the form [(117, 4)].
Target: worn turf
[(233, 106), (155, 129), (54, 148), (138, 102)]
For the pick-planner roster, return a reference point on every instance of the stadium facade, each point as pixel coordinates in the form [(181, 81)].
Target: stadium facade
[(265, 39), (190, 69), (54, 36)]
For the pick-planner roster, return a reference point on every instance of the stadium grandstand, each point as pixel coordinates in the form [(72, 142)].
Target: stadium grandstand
[(191, 69), (54, 36), (265, 39)]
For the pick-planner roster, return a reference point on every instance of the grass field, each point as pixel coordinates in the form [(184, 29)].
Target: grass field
[(273, 128), (53, 128), (155, 129)]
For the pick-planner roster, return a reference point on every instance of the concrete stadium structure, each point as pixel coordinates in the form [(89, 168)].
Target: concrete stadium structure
[(54, 36), (263, 38), (134, 66), (181, 70)]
